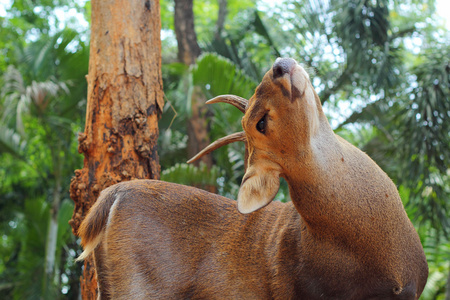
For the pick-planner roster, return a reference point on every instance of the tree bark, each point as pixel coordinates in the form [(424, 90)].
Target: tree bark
[(447, 286), (221, 16), (52, 231), (188, 49), (125, 99), (52, 236), (198, 137)]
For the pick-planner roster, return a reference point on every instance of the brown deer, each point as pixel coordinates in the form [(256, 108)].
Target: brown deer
[(345, 235)]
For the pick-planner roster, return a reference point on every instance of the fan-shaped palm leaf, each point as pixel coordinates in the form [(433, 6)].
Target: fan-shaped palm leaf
[(11, 142)]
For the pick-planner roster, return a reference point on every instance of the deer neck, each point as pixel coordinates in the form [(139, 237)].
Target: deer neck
[(337, 188)]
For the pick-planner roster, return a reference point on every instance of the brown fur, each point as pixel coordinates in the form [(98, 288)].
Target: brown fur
[(345, 235)]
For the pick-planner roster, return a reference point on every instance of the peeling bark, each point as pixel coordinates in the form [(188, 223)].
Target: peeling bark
[(125, 99)]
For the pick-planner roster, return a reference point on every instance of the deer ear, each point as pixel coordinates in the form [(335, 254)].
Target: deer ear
[(258, 189)]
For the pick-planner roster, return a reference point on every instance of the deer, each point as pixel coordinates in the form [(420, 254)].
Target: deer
[(344, 234)]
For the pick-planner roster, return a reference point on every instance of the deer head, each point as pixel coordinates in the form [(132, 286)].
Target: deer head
[(281, 122)]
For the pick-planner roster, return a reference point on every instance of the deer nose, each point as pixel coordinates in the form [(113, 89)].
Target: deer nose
[(282, 66)]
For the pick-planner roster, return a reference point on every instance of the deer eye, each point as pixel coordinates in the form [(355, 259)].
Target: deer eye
[(261, 125)]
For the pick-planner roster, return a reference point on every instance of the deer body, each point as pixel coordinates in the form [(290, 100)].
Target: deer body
[(188, 243), (345, 235)]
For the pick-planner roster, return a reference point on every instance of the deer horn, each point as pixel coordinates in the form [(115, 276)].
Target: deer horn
[(235, 137), (239, 102)]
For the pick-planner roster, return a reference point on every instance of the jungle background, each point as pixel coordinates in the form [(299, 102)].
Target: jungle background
[(381, 68)]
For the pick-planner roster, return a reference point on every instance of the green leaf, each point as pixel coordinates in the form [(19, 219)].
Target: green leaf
[(218, 75), (12, 143)]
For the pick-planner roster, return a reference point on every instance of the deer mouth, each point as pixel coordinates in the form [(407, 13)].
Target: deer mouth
[(297, 81), (289, 76)]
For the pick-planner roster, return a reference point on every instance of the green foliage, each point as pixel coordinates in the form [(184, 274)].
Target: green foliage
[(41, 105), (425, 138), (24, 246), (11, 142), (412, 130), (205, 26), (360, 26), (249, 45), (191, 175), (437, 251), (216, 75)]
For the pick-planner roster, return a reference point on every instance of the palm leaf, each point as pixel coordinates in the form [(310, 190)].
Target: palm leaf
[(12, 143), (234, 46), (191, 175), (218, 75)]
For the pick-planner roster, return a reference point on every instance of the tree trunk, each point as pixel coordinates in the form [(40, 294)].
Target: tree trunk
[(52, 230), (221, 16), (52, 237), (447, 286), (188, 51), (198, 137), (125, 99)]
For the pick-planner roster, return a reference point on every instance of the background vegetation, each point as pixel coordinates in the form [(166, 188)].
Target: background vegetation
[(381, 67)]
